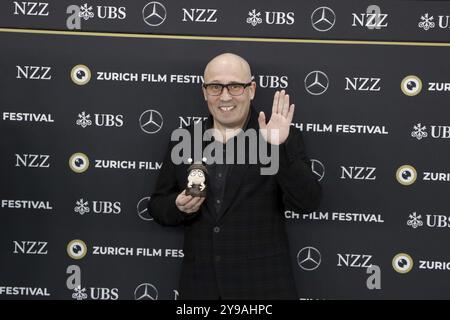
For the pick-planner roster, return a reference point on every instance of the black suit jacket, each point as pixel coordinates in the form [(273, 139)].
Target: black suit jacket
[(243, 252)]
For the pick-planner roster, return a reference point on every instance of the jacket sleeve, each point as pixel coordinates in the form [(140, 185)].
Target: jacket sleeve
[(162, 205), (301, 190)]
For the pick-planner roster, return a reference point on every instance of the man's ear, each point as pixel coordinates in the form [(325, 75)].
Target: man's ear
[(253, 85), (204, 94)]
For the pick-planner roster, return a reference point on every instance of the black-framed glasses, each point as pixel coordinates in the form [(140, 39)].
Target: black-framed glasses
[(234, 89)]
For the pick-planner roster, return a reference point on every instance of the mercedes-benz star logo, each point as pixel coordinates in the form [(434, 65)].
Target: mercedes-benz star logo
[(154, 13), (323, 19), (151, 121), (309, 258), (316, 83), (146, 291), (318, 169), (142, 209)]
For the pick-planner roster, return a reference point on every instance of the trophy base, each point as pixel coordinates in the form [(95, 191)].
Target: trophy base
[(196, 192)]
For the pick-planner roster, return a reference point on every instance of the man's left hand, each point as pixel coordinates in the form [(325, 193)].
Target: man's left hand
[(276, 130)]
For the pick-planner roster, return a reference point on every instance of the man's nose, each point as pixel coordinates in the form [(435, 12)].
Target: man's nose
[(225, 95)]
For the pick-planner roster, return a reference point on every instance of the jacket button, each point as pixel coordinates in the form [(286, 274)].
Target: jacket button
[(216, 229), (217, 258)]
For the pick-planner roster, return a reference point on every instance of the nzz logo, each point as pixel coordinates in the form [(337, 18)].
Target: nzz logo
[(28, 8), (362, 84), (358, 173), (32, 160), (354, 260), (33, 72), (199, 15), (373, 19), (31, 247)]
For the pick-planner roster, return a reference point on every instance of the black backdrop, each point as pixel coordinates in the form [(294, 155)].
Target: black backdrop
[(359, 132)]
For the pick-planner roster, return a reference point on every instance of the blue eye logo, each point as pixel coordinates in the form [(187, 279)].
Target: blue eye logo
[(79, 162), (406, 175)]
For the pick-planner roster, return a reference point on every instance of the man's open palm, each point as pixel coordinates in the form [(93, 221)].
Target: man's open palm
[(276, 130)]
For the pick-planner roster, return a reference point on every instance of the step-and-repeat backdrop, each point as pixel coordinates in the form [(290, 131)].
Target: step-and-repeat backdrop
[(90, 93)]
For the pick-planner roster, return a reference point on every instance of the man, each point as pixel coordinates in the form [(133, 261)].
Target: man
[(235, 243)]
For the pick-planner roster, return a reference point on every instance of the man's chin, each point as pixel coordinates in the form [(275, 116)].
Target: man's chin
[(226, 124)]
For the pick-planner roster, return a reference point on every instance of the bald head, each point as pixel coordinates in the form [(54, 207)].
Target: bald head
[(228, 63), (229, 110)]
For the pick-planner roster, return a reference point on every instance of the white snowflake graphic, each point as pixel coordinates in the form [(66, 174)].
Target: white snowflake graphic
[(427, 22), (79, 293), (86, 12), (82, 207), (83, 120), (419, 132), (254, 18), (416, 220)]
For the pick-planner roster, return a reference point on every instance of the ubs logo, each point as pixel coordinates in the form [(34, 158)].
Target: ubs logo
[(270, 17)]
